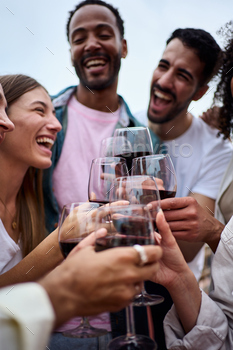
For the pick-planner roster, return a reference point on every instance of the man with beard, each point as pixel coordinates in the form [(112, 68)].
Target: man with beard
[(191, 58), (88, 113)]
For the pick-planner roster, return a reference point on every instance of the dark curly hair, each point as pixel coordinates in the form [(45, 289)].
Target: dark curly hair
[(223, 91), (204, 46), (119, 20)]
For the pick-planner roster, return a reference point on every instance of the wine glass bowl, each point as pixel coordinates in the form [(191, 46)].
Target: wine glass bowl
[(126, 226), (106, 147), (161, 167), (103, 171), (137, 189), (130, 143)]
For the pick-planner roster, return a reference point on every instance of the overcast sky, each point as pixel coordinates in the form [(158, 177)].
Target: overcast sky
[(33, 40)]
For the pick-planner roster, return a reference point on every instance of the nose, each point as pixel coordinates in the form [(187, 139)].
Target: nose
[(92, 44), (53, 124), (6, 124), (166, 80)]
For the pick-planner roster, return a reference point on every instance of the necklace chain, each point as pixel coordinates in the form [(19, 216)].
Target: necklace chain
[(14, 223)]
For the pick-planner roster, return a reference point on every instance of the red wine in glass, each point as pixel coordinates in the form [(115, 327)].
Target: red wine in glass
[(167, 194), (130, 156)]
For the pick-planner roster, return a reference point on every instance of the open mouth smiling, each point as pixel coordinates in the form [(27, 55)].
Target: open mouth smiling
[(45, 141), (95, 63), (163, 98)]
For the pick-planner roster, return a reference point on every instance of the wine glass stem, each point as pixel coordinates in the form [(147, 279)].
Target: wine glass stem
[(85, 322), (130, 321), (143, 291)]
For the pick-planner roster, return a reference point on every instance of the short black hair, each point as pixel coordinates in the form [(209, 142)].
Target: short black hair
[(119, 20), (204, 46)]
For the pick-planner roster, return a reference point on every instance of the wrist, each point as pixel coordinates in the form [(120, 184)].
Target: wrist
[(213, 236), (179, 282), (59, 291), (186, 296)]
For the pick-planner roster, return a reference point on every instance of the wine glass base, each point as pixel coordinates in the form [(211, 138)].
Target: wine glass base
[(137, 342), (145, 299), (85, 332)]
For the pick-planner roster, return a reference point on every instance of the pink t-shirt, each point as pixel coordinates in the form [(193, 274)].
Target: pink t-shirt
[(85, 130)]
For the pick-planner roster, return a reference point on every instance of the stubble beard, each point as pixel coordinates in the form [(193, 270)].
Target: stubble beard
[(100, 83), (170, 115)]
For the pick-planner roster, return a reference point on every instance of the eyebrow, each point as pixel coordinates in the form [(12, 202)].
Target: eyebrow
[(182, 70)]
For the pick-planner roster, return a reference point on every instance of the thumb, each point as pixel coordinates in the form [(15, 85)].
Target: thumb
[(163, 227)]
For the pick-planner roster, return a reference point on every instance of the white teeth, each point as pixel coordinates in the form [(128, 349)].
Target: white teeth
[(161, 95), (44, 140), (95, 63)]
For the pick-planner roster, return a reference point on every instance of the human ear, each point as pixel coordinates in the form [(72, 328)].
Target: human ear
[(124, 48), (200, 92)]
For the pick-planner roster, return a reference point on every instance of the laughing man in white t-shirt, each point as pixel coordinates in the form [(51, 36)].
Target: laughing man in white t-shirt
[(191, 58)]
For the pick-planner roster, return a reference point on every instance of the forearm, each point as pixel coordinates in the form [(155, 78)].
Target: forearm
[(186, 296), (210, 332), (45, 257)]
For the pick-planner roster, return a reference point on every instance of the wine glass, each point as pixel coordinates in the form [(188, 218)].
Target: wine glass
[(103, 171), (106, 146), (76, 223), (126, 226), (139, 189), (130, 143), (161, 167)]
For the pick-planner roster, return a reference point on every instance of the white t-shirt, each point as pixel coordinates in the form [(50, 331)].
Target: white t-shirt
[(200, 160), (85, 130), (11, 253)]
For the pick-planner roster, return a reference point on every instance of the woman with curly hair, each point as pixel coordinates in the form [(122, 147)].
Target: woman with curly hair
[(223, 94)]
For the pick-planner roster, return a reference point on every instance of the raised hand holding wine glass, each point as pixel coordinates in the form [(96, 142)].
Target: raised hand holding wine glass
[(139, 189), (77, 222), (126, 225)]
